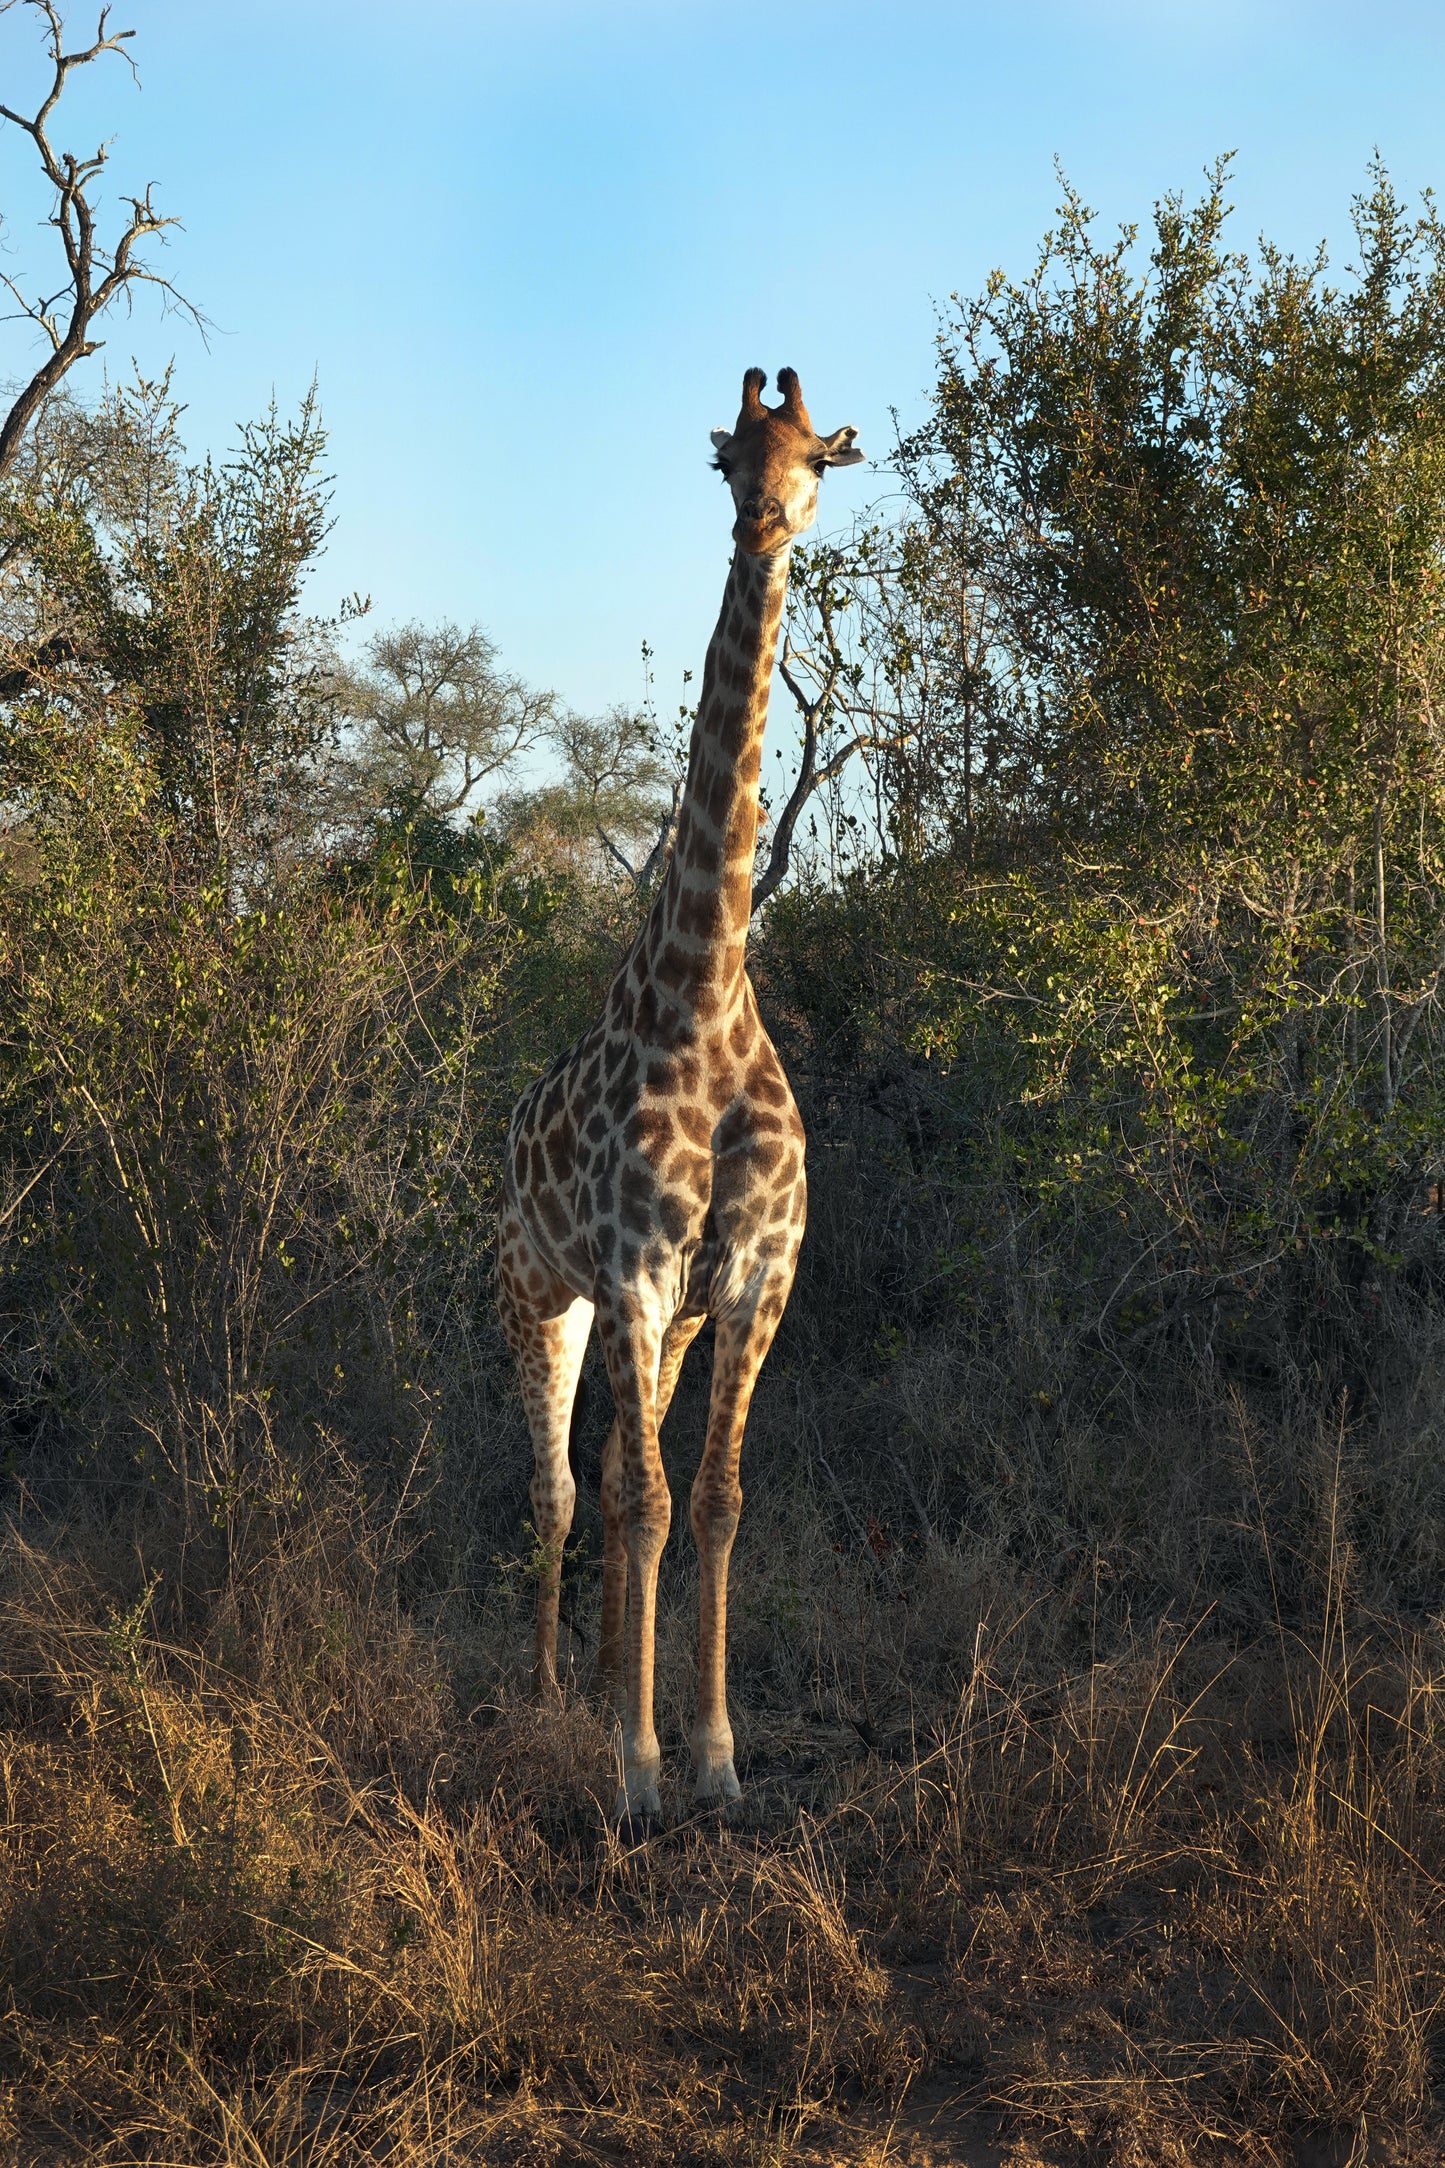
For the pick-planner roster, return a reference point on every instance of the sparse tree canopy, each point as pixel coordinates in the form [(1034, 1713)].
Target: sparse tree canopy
[(430, 718), (617, 794)]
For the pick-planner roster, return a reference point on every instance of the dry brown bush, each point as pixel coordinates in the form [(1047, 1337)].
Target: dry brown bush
[(278, 1893)]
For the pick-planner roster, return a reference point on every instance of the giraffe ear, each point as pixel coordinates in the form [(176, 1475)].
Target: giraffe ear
[(839, 449), (720, 437)]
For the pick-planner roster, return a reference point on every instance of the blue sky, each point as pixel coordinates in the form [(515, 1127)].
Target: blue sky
[(527, 249)]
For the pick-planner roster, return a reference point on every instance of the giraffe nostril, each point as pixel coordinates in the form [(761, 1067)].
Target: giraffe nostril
[(759, 507)]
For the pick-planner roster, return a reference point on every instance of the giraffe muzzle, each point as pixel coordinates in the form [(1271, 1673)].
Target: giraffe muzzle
[(758, 522)]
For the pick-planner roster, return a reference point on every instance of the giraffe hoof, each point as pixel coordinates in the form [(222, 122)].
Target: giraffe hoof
[(637, 1827), (719, 1788), (639, 1817)]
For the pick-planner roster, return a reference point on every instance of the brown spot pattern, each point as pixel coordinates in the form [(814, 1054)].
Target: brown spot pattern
[(655, 1169)]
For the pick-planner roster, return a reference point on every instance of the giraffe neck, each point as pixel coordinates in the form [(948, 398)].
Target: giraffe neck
[(697, 930)]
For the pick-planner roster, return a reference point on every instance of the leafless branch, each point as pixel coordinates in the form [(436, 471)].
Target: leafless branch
[(1408, 1015), (95, 276), (617, 855), (641, 876), (529, 711), (666, 837), (807, 782), (811, 775)]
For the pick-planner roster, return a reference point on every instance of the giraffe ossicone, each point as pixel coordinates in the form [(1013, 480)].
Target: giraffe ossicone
[(654, 1173)]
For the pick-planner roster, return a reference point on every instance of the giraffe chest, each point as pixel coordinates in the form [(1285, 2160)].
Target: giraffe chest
[(663, 1162)]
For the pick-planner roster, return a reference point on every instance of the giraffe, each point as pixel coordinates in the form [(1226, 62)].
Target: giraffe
[(653, 1175)]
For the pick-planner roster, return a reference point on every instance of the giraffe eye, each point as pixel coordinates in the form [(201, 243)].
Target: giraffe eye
[(724, 467), (819, 467)]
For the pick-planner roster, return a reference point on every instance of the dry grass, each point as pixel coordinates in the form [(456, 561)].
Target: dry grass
[(271, 1891)]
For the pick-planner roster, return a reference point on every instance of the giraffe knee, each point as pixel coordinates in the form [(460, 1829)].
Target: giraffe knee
[(554, 1496), (614, 1528), (716, 1510), (648, 1515)]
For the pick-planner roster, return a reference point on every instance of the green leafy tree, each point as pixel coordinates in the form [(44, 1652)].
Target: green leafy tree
[(150, 615), (1155, 659)]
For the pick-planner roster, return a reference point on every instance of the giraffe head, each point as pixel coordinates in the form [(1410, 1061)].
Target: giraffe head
[(773, 460)]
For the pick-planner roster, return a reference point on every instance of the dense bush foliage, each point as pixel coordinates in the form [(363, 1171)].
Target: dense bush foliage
[(1152, 911), (1108, 970)]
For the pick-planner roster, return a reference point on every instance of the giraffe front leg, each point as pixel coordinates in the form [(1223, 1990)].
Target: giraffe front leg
[(649, 1515), (611, 1650), (743, 1339), (548, 1351), (632, 1345), (611, 1646)]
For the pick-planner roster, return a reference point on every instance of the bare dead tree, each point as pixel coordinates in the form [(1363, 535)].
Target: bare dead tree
[(95, 276)]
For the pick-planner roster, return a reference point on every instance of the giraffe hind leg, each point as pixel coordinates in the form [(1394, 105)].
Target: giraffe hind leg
[(547, 1331)]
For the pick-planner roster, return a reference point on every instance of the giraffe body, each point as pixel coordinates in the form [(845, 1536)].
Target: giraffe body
[(654, 1173)]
